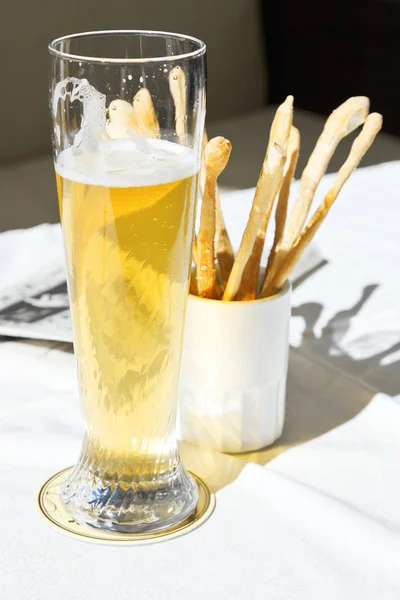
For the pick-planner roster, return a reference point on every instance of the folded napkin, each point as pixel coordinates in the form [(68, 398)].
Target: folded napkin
[(321, 521)]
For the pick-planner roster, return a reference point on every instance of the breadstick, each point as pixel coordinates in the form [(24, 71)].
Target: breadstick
[(194, 249), (144, 116), (193, 274), (360, 146), (201, 186), (345, 119), (177, 85), (193, 285), (218, 290), (223, 246), (251, 273), (216, 156), (120, 120), (266, 190), (202, 174), (281, 207)]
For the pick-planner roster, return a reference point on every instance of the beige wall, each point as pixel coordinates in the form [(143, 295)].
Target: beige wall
[(231, 29)]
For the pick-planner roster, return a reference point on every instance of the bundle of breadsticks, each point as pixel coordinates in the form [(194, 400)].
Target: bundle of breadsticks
[(218, 273), (125, 119)]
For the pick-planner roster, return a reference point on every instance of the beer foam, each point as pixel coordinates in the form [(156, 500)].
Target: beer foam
[(93, 115), (128, 163)]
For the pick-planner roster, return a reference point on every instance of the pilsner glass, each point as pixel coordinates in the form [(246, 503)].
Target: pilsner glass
[(126, 178)]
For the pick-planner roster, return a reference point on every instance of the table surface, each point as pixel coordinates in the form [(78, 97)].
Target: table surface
[(321, 520), (325, 388)]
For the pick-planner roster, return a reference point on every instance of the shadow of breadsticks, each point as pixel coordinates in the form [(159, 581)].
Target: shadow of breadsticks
[(308, 274), (378, 370), (326, 386)]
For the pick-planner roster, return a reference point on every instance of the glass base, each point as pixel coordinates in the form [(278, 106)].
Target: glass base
[(125, 506), (54, 513)]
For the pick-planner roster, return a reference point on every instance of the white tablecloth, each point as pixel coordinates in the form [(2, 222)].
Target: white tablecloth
[(320, 521)]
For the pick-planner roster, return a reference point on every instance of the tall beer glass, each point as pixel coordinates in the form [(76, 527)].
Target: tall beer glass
[(128, 116)]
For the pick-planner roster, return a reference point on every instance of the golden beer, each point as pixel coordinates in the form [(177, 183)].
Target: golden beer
[(128, 236), (128, 112)]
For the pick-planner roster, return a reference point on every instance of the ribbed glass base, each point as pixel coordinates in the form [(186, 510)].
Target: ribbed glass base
[(130, 503)]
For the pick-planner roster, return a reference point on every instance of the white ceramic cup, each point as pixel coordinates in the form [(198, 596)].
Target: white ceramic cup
[(234, 369)]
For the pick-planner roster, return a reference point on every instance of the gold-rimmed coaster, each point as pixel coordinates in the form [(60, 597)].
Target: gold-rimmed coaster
[(54, 512)]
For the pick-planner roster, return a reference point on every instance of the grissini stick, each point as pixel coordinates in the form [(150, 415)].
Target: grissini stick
[(223, 246), (177, 86), (120, 120), (144, 115), (249, 285), (202, 183), (266, 190), (194, 250), (202, 174), (345, 119), (282, 204), (360, 146), (193, 274), (216, 156), (193, 285)]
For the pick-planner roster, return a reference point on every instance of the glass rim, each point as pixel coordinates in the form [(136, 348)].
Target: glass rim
[(151, 33)]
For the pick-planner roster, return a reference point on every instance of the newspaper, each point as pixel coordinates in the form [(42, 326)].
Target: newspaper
[(38, 308)]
